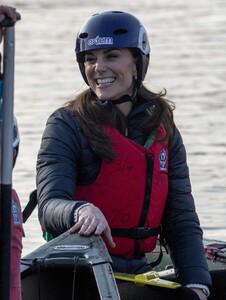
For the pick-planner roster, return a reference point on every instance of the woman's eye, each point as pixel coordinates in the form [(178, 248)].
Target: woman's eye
[(112, 55), (89, 59)]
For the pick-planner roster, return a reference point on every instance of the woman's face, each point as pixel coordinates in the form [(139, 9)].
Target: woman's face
[(110, 72)]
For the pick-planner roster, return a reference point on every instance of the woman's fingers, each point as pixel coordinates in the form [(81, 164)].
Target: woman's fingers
[(108, 238), (92, 221)]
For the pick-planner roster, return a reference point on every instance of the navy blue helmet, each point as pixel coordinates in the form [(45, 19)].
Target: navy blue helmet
[(114, 29)]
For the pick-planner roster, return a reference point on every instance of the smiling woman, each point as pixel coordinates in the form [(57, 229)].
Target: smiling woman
[(112, 162)]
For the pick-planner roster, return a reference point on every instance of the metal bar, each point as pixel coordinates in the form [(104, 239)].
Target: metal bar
[(6, 161), (106, 283)]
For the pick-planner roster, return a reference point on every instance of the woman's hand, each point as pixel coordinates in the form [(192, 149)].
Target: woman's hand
[(92, 221), (200, 293)]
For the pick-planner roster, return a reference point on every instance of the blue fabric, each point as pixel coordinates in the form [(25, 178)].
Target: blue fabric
[(131, 266), (1, 92), (1, 88)]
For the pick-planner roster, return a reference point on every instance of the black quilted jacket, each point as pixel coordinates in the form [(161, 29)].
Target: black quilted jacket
[(65, 157)]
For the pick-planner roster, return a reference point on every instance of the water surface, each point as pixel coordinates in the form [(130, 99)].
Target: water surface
[(188, 58)]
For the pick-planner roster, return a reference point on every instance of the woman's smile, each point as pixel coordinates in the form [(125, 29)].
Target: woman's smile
[(105, 81)]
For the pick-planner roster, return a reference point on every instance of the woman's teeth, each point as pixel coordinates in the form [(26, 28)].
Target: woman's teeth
[(105, 80)]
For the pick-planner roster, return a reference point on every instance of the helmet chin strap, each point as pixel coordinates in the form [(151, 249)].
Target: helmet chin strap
[(122, 99)]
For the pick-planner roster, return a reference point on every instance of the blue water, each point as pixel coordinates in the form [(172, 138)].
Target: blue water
[(188, 58)]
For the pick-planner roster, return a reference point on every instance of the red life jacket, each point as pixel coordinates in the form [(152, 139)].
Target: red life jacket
[(16, 248), (131, 192)]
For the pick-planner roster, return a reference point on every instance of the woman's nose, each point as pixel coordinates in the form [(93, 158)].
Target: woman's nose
[(100, 65)]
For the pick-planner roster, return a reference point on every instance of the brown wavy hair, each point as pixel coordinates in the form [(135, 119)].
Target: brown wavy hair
[(92, 116)]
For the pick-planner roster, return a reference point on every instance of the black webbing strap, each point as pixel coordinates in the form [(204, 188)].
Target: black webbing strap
[(135, 233), (146, 203), (32, 203), (162, 244)]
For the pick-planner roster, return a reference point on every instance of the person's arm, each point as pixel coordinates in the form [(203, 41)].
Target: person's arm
[(181, 225), (57, 173), (62, 147)]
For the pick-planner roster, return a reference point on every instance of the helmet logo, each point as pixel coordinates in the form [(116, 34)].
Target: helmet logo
[(100, 41)]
